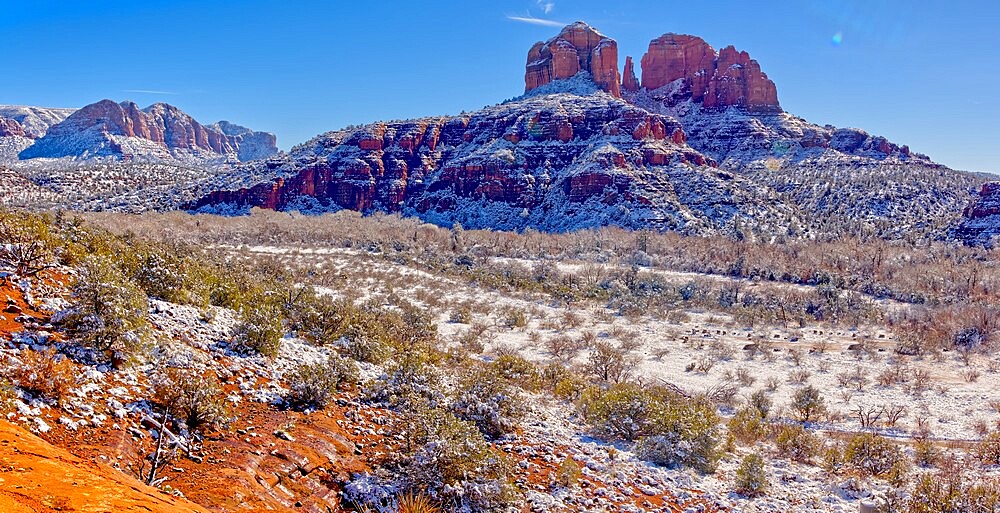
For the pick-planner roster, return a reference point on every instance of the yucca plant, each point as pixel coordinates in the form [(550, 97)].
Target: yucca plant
[(419, 502)]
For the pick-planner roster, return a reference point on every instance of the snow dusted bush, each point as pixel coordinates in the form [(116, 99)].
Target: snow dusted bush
[(195, 398), (748, 426), (949, 492), (46, 374), (624, 412), (454, 465), (988, 450), (408, 381), (750, 479), (365, 341), (687, 433), (807, 403), (669, 429), (516, 370), (797, 444), (261, 329), (874, 455), (109, 313), (26, 245), (313, 384), (485, 398)]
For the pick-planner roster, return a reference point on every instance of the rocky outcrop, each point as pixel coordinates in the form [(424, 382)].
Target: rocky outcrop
[(35, 121), (11, 128), (107, 128), (40, 477), (629, 82), (550, 162), (727, 79), (981, 219), (579, 47)]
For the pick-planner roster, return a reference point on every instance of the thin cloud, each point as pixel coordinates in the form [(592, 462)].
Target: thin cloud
[(149, 91), (546, 7), (536, 21)]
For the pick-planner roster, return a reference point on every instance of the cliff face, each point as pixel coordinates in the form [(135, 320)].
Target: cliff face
[(10, 127), (579, 47), (727, 79), (553, 162), (107, 128), (981, 219)]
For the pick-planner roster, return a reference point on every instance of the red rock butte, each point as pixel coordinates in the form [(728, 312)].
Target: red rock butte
[(729, 78), (579, 47)]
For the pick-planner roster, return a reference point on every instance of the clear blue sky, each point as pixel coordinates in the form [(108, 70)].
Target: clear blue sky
[(924, 74)]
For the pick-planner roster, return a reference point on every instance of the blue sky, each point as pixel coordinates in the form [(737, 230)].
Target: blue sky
[(921, 73)]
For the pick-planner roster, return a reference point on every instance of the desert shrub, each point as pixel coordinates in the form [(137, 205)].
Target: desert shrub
[(808, 404), (760, 401), (8, 394), (159, 275), (748, 426), (947, 493), (409, 381), (517, 370), (260, 329), (46, 374), (314, 384), (987, 451), (670, 429), (26, 245), (872, 455), (513, 318), (796, 443), (486, 398), (461, 314), (195, 398), (454, 465), (612, 363), (569, 473), (624, 412), (565, 384), (109, 313), (365, 342), (687, 433), (750, 477), (925, 453)]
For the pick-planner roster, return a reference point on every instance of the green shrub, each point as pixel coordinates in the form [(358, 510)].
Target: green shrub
[(872, 455), (807, 403), (26, 245), (260, 330), (748, 426), (110, 313), (750, 478), (988, 450), (949, 493), (796, 443), (517, 371), (455, 465), (408, 382), (624, 412), (569, 473), (487, 399), (365, 342), (671, 430), (195, 398), (687, 433), (312, 385)]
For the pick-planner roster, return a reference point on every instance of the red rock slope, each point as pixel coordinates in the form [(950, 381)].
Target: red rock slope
[(40, 478)]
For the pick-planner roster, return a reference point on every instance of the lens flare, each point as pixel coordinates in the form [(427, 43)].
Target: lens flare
[(837, 39)]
